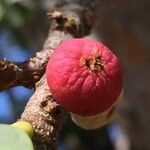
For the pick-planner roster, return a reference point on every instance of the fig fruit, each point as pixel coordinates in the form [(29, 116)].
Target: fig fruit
[(85, 77)]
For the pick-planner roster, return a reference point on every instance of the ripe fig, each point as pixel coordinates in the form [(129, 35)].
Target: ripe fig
[(85, 77)]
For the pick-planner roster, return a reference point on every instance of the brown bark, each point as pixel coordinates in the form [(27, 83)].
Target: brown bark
[(42, 111), (123, 25)]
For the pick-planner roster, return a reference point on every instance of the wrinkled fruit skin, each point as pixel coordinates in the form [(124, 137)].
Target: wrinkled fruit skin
[(84, 76)]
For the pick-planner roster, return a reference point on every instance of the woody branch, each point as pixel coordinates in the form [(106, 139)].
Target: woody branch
[(42, 111)]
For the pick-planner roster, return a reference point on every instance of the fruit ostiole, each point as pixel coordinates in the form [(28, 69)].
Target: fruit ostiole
[(85, 77)]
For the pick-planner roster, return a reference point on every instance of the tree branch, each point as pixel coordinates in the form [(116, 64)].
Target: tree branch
[(27, 73), (66, 24), (45, 115), (42, 111)]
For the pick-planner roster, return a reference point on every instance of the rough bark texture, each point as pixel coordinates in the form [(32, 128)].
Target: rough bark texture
[(45, 115), (42, 111), (124, 27)]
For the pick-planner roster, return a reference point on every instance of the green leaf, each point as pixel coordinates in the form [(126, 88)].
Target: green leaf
[(14, 139)]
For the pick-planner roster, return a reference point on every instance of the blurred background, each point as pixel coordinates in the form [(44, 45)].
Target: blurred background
[(124, 26)]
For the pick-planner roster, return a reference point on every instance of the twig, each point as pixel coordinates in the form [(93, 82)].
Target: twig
[(42, 111)]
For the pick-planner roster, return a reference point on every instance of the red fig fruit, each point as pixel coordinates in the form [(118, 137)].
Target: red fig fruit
[(85, 77)]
